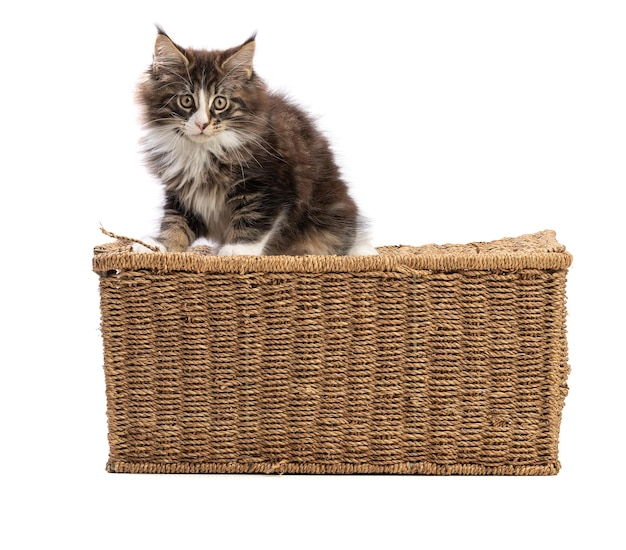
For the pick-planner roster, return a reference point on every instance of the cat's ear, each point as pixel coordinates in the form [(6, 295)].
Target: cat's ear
[(166, 53), (239, 63)]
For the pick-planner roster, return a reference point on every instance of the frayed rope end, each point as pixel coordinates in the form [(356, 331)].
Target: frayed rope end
[(129, 239)]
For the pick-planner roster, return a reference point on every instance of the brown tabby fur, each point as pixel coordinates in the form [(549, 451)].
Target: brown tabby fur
[(260, 174)]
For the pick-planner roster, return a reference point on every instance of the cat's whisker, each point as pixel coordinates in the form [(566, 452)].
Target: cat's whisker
[(270, 150), (242, 145), (168, 84), (170, 69), (173, 117), (171, 100), (259, 138), (251, 156), (240, 161)]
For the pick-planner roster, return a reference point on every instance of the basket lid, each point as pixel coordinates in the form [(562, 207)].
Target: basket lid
[(533, 251)]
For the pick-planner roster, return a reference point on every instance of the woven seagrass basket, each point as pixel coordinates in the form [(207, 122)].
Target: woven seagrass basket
[(422, 360)]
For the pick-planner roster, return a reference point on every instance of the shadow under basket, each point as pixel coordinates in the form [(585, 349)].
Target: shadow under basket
[(423, 360)]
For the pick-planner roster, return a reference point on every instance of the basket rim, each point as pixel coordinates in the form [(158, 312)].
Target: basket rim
[(285, 467), (531, 251)]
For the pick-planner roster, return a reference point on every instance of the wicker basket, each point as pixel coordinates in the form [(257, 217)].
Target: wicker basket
[(430, 360)]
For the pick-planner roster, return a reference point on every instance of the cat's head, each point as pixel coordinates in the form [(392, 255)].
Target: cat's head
[(207, 97)]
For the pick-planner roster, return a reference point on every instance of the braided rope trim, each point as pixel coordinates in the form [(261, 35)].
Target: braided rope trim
[(535, 251), (423, 468)]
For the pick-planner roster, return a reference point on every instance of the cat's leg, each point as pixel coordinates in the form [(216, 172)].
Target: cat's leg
[(251, 248), (247, 240), (175, 235)]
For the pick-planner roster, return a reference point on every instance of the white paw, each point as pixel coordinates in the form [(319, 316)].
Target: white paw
[(363, 249), (241, 249), (200, 241), (138, 247)]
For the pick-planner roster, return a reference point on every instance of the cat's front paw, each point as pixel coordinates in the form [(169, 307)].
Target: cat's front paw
[(141, 248), (241, 249), (363, 249)]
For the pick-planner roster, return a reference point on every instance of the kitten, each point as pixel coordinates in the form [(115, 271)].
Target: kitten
[(241, 166)]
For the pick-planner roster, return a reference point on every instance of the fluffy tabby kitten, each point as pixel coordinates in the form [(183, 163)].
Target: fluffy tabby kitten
[(241, 166)]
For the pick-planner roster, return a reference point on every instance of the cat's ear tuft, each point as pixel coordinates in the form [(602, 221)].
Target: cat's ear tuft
[(240, 62), (166, 53)]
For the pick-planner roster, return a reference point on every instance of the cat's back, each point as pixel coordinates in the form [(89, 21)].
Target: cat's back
[(296, 132)]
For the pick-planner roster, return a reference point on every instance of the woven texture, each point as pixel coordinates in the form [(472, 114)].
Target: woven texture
[(423, 360)]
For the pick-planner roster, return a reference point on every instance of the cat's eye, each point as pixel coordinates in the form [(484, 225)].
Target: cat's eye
[(186, 101), (220, 103)]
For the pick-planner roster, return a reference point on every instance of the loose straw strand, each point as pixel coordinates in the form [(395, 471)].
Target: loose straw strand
[(129, 239)]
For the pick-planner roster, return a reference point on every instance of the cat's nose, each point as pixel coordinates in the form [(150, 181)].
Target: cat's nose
[(202, 125)]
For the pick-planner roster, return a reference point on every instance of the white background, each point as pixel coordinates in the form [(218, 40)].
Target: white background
[(454, 121)]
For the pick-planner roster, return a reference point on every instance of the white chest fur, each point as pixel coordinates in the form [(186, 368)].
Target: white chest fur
[(188, 169), (180, 160)]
